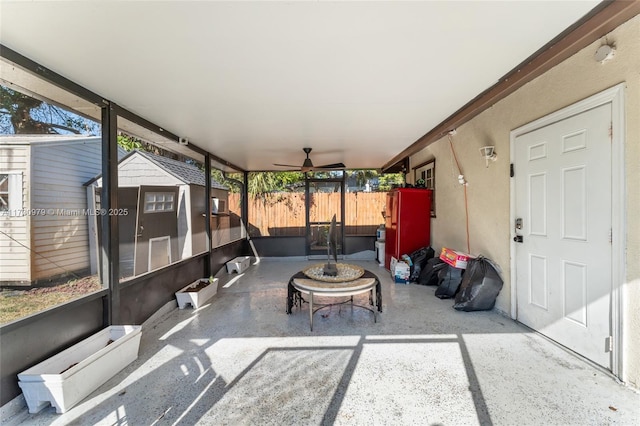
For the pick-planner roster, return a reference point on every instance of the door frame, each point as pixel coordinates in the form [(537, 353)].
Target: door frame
[(615, 97), (307, 181)]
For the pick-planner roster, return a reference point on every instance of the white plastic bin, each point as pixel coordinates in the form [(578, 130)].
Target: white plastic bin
[(239, 264), (68, 377), (196, 299), (380, 252)]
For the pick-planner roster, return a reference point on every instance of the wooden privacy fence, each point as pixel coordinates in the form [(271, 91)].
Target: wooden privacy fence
[(283, 214)]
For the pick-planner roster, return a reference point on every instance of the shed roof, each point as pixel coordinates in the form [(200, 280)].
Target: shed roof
[(188, 173)]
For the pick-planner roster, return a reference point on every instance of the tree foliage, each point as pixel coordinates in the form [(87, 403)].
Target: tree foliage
[(380, 182), (261, 183), (23, 114), (390, 180), (363, 176), (129, 143)]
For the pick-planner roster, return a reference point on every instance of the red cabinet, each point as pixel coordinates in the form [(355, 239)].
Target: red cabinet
[(407, 222)]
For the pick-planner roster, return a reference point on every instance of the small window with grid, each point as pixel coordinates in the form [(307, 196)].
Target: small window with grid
[(159, 202)]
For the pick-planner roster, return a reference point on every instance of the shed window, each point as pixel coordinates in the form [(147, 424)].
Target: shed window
[(11, 193), (156, 202)]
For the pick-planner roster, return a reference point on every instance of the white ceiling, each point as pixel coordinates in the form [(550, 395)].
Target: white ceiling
[(255, 82)]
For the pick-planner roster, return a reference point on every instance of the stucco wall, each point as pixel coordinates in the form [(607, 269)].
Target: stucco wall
[(488, 191)]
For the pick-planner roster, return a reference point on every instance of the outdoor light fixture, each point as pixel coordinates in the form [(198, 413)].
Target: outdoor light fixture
[(604, 53), (488, 153)]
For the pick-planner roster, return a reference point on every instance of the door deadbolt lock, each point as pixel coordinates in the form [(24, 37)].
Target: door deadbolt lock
[(519, 223)]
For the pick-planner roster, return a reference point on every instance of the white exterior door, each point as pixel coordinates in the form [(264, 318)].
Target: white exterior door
[(563, 264)]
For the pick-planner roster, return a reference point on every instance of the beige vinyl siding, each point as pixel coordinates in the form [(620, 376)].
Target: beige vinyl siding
[(61, 237), (15, 237)]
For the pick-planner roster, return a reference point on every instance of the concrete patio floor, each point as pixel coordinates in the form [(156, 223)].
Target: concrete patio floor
[(241, 360)]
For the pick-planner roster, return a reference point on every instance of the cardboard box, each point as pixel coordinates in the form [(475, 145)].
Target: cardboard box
[(400, 271), (457, 259), (392, 266)]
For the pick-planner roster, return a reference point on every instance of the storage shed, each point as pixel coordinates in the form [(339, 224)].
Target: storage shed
[(41, 179), (161, 204)]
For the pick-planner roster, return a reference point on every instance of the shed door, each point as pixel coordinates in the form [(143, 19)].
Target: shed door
[(157, 228), (563, 264)]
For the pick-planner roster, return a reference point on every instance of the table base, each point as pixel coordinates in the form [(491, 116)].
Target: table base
[(299, 284)]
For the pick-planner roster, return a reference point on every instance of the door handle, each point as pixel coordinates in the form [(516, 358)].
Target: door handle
[(518, 226), (518, 223), (141, 231)]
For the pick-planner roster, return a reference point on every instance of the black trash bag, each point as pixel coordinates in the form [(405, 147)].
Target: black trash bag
[(419, 259), (449, 279), (480, 286), (429, 273)]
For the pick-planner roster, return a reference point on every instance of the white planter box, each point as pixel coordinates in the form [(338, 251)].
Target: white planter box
[(239, 264), (196, 298), (71, 375)]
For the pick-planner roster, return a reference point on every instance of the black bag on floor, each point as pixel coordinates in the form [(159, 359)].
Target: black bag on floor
[(429, 273), (419, 259), (480, 286), (449, 281)]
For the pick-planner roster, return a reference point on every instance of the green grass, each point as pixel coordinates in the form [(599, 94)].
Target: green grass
[(16, 304)]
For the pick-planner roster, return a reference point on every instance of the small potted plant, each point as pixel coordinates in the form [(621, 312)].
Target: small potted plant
[(197, 293)]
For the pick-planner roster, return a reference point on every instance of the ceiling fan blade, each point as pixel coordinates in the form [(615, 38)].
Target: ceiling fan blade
[(286, 165), (332, 166)]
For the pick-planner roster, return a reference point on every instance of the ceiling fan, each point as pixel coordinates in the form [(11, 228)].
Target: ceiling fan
[(307, 165)]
